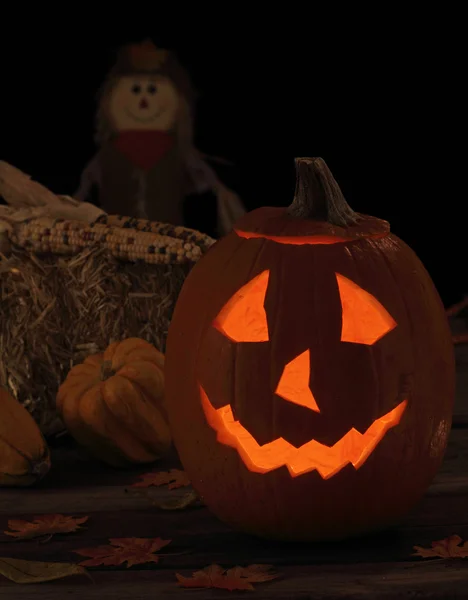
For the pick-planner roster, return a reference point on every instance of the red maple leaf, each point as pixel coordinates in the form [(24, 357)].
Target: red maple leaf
[(133, 551), (449, 547), (237, 578), (44, 525)]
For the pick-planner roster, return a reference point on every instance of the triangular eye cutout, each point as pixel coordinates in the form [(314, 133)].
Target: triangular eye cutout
[(364, 319), (243, 318), (294, 383)]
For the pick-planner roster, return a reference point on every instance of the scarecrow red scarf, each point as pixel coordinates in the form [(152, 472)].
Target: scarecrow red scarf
[(143, 148)]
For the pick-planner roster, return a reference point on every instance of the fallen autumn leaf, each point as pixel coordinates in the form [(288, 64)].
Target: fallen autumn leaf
[(175, 478), (189, 499), (44, 525), (31, 571), (237, 578), (447, 548), (133, 551)]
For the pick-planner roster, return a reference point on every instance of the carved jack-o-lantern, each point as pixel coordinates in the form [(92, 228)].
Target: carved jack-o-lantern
[(309, 370)]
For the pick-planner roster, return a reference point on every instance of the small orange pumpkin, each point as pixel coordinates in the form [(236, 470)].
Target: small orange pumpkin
[(24, 454), (113, 404)]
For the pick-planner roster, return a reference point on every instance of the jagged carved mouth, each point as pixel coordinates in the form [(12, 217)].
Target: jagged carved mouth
[(353, 448)]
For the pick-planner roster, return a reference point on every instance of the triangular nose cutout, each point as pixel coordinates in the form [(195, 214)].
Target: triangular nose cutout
[(294, 383)]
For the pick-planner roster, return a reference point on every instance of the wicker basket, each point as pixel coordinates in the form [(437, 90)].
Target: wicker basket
[(68, 288)]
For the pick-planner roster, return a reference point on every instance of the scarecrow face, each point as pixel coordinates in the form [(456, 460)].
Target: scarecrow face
[(144, 103), (244, 320)]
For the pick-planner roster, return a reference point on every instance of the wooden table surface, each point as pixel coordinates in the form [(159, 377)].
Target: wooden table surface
[(380, 567)]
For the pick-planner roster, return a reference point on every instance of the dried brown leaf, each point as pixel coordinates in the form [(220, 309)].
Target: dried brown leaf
[(31, 571), (44, 525), (181, 503), (447, 548), (133, 551), (237, 578)]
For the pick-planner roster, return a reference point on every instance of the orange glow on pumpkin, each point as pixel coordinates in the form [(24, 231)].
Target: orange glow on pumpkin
[(294, 240), (364, 319), (294, 383), (353, 447), (302, 240), (243, 318)]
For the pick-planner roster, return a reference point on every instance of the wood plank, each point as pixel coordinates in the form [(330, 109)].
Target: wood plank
[(106, 497), (429, 580), (81, 484), (73, 467), (82, 499), (202, 538)]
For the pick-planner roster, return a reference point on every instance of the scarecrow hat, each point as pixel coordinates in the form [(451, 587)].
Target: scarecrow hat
[(144, 58)]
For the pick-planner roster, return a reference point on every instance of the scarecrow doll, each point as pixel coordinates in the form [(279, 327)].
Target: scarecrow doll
[(146, 164)]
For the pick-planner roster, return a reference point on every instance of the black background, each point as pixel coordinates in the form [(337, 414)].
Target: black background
[(377, 95)]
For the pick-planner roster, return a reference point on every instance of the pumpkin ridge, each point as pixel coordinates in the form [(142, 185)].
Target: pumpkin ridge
[(158, 404), (155, 383), (146, 418), (274, 485), (98, 444), (149, 364), (106, 371), (72, 390), (402, 297), (359, 279), (93, 360), (263, 247), (122, 352), (28, 459), (401, 245), (390, 269), (23, 479), (109, 352), (133, 437), (128, 437), (142, 355), (30, 429), (97, 418)]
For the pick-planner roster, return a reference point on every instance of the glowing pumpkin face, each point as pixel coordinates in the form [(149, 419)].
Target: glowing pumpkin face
[(243, 319), (310, 372)]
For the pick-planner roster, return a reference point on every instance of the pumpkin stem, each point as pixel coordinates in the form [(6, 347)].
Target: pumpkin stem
[(106, 370), (318, 196)]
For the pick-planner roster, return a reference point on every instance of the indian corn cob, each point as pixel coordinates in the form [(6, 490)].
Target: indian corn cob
[(183, 233), (177, 245)]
